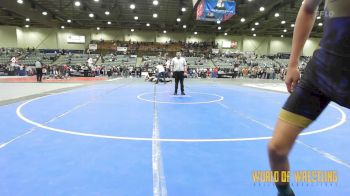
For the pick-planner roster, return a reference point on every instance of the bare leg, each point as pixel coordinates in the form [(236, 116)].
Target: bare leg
[(279, 147)]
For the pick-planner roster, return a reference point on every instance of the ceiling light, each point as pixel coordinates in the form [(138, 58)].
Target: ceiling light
[(277, 15), (318, 17), (107, 13), (62, 27), (178, 19), (27, 26), (219, 28), (91, 15), (69, 20), (148, 24), (283, 22), (44, 13), (27, 19), (320, 24), (98, 28), (218, 22), (136, 17), (155, 2), (285, 30), (132, 6), (20, 1), (155, 15), (195, 33), (253, 29), (164, 31), (282, 36), (96, 0), (132, 30), (292, 25), (250, 0), (109, 22), (77, 3), (262, 9), (225, 34), (254, 35), (183, 9), (184, 26), (242, 19), (257, 23)]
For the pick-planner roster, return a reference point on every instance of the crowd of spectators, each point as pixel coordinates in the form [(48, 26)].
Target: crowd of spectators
[(201, 62)]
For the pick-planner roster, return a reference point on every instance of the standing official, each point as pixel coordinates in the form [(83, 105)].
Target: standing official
[(178, 65), (39, 71)]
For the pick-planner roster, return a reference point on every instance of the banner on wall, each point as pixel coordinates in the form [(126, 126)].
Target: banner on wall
[(122, 49), (215, 51), (93, 46), (75, 39), (234, 44), (229, 44), (216, 10)]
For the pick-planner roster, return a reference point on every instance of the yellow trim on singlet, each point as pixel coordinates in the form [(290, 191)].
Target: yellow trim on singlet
[(294, 119)]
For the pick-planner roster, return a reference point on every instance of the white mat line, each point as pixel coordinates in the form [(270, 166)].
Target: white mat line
[(318, 151), (159, 183)]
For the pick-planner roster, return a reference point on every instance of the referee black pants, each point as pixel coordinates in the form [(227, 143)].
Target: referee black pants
[(179, 77), (39, 74)]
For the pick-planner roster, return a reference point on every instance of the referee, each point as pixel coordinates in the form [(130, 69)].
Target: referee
[(39, 70), (178, 64)]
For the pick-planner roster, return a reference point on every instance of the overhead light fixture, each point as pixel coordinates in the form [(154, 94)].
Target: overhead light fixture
[(62, 27), (155, 15), (242, 19), (183, 9), (132, 30), (253, 29), (285, 30), (292, 25), (155, 2), (132, 6), (225, 34), (98, 28), (44, 13), (318, 17), (262, 9), (320, 24), (27, 26), (219, 28), (148, 25), (178, 19), (283, 22), (27, 19), (107, 13), (91, 15), (218, 22), (164, 31), (254, 35), (257, 23), (282, 35), (96, 0), (20, 1), (195, 33), (109, 22), (250, 0), (277, 15), (77, 3), (184, 26), (69, 21), (136, 17)]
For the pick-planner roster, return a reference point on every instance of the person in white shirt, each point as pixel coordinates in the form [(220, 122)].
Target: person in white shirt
[(39, 71), (160, 73), (178, 65)]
